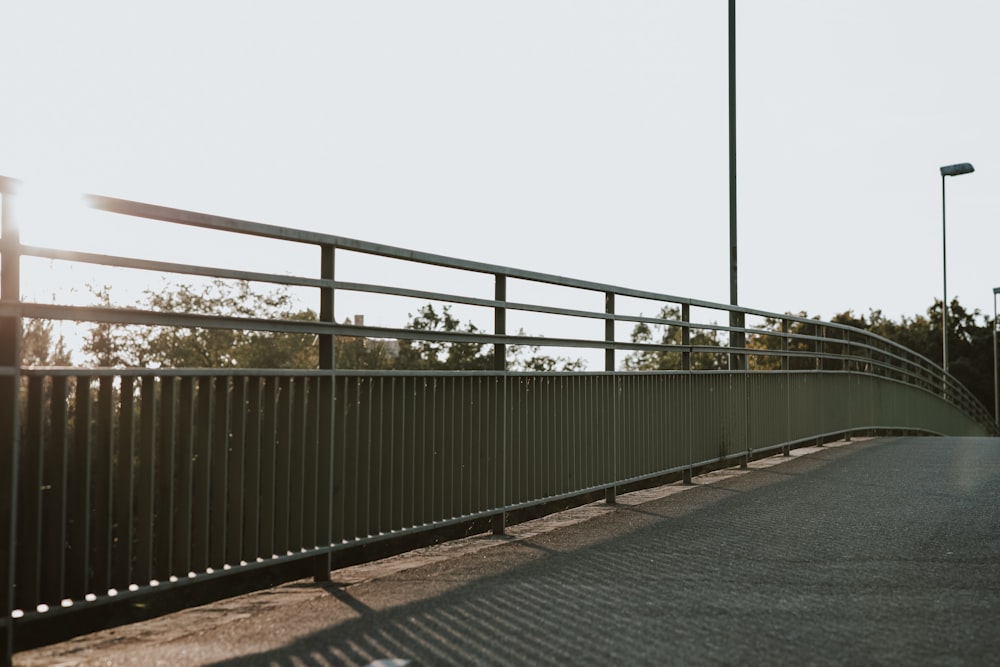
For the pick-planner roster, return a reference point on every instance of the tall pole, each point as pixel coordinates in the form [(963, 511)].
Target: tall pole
[(736, 338), (944, 271), (948, 170)]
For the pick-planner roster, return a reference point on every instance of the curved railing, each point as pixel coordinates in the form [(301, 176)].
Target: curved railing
[(132, 480)]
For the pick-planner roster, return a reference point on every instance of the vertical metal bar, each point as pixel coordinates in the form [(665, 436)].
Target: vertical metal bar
[(367, 488), (235, 472), (124, 487), (498, 522), (410, 438), (202, 464), (311, 458), (103, 486), (163, 511), (609, 331), (327, 401), (251, 480), (944, 280), (10, 406), (184, 473), (430, 449), (505, 386), (347, 509), (78, 541), (296, 457), (57, 470), (449, 445), (147, 478), (219, 520), (29, 561), (686, 337), (500, 322), (611, 493), (383, 473), (465, 406), (268, 454), (282, 465), (733, 264), (396, 459)]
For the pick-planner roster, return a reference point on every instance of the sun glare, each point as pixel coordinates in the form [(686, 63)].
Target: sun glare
[(48, 213)]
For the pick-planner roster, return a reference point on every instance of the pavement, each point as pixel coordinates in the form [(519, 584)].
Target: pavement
[(883, 551)]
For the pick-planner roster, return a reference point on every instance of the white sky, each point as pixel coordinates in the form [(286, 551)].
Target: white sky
[(586, 138)]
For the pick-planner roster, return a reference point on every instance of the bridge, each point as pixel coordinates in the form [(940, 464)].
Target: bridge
[(133, 486)]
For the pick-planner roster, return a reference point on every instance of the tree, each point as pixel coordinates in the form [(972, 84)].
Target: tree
[(38, 347), (431, 354), (120, 345), (358, 352), (182, 347), (970, 341), (527, 358), (794, 338), (664, 333)]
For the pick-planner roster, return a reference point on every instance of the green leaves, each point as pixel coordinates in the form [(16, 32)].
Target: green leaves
[(190, 347)]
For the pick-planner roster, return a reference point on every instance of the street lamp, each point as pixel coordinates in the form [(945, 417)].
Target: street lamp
[(950, 170)]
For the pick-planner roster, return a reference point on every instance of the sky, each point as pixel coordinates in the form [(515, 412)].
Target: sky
[(584, 138)]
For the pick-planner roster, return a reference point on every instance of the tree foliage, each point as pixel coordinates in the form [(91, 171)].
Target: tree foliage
[(181, 347), (39, 347), (432, 354), (359, 352), (970, 341), (664, 333), (119, 345)]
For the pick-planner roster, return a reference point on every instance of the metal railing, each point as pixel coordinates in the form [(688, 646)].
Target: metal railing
[(121, 482)]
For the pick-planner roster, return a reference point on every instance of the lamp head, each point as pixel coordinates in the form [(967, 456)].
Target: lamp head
[(957, 169)]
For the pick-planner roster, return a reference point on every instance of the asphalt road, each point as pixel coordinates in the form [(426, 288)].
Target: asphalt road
[(877, 552)]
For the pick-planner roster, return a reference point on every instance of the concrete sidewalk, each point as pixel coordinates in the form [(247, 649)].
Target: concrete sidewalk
[(876, 552)]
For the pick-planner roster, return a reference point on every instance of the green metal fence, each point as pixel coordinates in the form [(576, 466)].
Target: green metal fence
[(120, 482)]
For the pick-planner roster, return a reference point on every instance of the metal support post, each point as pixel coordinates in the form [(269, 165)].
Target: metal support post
[(323, 564), (611, 493), (10, 428), (498, 523)]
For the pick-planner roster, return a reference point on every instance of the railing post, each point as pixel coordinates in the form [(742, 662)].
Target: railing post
[(820, 347), (686, 337), (737, 340), (500, 322), (686, 365), (499, 521), (323, 563), (738, 361), (785, 367), (10, 428), (611, 493)]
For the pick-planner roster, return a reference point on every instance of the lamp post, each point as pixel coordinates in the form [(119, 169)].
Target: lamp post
[(737, 339), (950, 170)]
